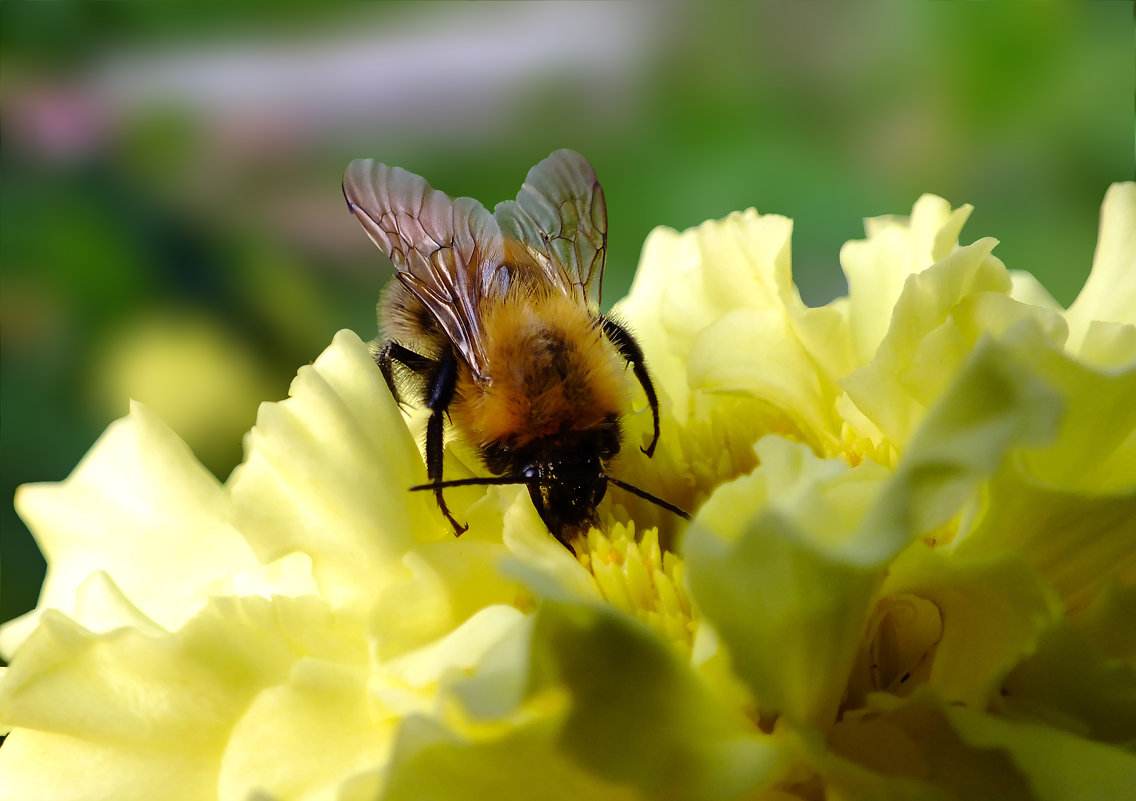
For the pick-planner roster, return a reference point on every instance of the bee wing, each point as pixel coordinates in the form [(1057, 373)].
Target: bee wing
[(447, 252), (558, 225)]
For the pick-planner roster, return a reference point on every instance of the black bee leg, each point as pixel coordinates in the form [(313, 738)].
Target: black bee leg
[(439, 393), (629, 349), (393, 352)]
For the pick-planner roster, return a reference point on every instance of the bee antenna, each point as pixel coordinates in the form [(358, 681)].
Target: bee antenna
[(670, 507), (466, 482)]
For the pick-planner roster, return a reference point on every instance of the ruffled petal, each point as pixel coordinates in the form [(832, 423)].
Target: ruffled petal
[(141, 509), (1076, 679), (772, 366), (794, 553), (1095, 449), (326, 473), (992, 613), (923, 333), (774, 557), (608, 711), (331, 735), (431, 762), (640, 716), (1067, 507), (909, 749), (1109, 294), (688, 281), (878, 267), (1057, 765), (130, 715)]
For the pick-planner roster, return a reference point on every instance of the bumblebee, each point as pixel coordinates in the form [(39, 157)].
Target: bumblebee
[(493, 322)]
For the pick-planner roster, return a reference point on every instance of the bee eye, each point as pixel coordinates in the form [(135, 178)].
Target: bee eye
[(529, 473)]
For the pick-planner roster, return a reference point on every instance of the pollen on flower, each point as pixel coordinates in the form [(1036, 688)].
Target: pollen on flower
[(715, 446), (641, 578), (862, 441)]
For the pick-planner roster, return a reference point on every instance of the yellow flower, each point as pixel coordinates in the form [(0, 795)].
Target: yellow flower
[(911, 573)]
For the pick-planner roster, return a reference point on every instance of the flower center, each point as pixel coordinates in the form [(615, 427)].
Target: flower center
[(640, 578)]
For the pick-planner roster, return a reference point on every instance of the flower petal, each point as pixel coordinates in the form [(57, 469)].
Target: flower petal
[(609, 711), (303, 739), (884, 390), (1109, 294), (438, 586), (148, 716), (1057, 765), (994, 611), (1078, 543), (410, 683), (687, 281), (327, 472), (993, 407), (43, 766), (1105, 622), (774, 558), (1066, 507), (912, 750), (142, 509), (794, 553), (1072, 682), (1095, 449), (431, 763), (773, 367), (877, 268)]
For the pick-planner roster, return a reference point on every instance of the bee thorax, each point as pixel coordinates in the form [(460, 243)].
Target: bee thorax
[(549, 372)]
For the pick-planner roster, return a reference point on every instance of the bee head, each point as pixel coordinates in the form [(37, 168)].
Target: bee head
[(565, 477), (565, 491)]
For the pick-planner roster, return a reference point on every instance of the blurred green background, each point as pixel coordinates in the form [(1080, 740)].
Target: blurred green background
[(172, 229)]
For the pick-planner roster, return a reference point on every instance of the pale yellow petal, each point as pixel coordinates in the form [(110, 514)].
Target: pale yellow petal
[(993, 611), (1058, 765), (436, 587), (756, 352), (1072, 681), (432, 764), (142, 509), (327, 473), (885, 390), (668, 259), (1095, 449), (777, 557), (1109, 294), (1076, 542), (302, 739), (824, 333), (44, 766), (1025, 288), (688, 281), (148, 715), (878, 267), (1109, 346), (409, 683), (910, 749)]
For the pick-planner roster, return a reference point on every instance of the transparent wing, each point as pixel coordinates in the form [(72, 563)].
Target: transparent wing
[(558, 225), (447, 252)]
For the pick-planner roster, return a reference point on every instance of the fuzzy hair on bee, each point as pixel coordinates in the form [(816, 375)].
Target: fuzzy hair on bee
[(493, 323)]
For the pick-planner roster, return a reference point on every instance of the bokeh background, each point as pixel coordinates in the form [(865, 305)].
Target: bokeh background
[(172, 229)]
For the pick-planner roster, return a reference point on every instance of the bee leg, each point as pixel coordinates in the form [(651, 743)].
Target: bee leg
[(439, 393), (629, 349), (393, 352)]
